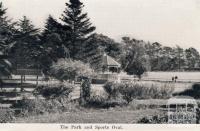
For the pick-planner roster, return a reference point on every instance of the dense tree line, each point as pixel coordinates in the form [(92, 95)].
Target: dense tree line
[(73, 37)]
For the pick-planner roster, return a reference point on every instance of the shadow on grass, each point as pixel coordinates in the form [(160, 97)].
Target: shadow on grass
[(193, 92)]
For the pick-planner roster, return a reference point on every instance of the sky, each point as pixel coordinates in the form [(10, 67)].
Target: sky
[(170, 22)]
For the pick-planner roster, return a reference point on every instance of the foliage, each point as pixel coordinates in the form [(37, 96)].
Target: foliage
[(6, 41), (156, 57), (66, 69), (98, 101), (27, 48), (134, 59), (86, 89), (55, 90), (74, 38), (7, 31), (53, 40), (57, 99), (5, 66), (38, 106), (130, 91), (112, 89), (6, 115), (157, 119), (79, 26), (193, 57), (96, 46)]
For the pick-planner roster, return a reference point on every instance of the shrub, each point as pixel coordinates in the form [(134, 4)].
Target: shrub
[(157, 119), (33, 107), (96, 101), (193, 92), (136, 90), (66, 69), (56, 99), (99, 101), (112, 89), (55, 90), (85, 90), (6, 115), (41, 106)]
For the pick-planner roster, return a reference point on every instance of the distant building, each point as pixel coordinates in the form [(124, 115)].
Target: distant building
[(110, 69), (109, 65)]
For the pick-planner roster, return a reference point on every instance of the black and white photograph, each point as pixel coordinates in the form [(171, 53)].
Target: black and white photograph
[(100, 61)]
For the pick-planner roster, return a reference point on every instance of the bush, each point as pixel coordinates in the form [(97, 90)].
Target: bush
[(41, 106), (112, 89), (99, 101), (33, 107), (54, 90), (154, 120), (96, 101), (66, 69), (98, 81), (194, 92), (85, 90), (6, 115), (56, 96), (130, 91)]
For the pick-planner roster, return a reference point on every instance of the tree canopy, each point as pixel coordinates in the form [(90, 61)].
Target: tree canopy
[(80, 27)]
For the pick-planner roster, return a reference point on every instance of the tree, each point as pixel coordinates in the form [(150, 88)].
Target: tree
[(96, 46), (110, 46), (93, 55), (193, 57), (5, 66), (85, 91), (54, 37), (178, 59), (52, 26), (80, 28), (53, 42), (7, 30), (27, 48), (134, 59), (6, 42), (155, 58)]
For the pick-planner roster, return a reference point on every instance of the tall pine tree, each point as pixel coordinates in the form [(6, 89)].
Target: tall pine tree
[(53, 26), (27, 48), (7, 30), (6, 40), (80, 28), (53, 41)]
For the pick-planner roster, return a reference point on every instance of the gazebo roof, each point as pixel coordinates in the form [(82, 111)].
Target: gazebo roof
[(109, 61)]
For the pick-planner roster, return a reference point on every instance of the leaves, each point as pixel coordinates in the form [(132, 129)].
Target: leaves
[(27, 46), (79, 25), (66, 69)]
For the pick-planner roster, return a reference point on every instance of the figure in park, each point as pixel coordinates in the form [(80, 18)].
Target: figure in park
[(175, 78), (172, 79)]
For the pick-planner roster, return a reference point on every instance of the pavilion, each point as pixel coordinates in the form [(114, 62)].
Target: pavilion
[(109, 65), (110, 69)]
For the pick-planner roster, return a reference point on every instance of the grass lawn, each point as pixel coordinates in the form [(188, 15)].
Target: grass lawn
[(97, 116), (167, 76)]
